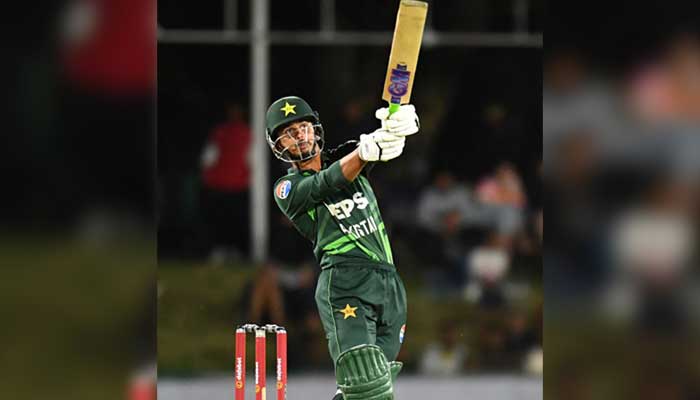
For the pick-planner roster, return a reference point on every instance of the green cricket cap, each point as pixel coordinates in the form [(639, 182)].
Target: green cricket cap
[(286, 110)]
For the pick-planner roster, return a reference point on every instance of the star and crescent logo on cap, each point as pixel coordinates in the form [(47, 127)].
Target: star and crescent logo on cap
[(348, 311), (288, 108)]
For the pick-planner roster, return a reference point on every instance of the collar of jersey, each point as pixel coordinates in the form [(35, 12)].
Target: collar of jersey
[(307, 172), (304, 172)]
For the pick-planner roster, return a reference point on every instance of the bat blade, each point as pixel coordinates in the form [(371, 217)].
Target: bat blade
[(403, 59)]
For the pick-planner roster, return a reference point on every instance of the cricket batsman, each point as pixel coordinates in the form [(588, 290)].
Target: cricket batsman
[(360, 297)]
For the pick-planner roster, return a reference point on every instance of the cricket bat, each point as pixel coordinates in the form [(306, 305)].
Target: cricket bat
[(405, 47)]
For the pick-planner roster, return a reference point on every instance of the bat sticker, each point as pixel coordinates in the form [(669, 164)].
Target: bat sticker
[(399, 82)]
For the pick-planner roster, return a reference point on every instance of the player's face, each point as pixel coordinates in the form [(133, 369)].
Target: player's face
[(298, 138)]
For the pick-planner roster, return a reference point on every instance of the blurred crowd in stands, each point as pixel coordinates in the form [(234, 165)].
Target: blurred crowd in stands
[(622, 161), (622, 172)]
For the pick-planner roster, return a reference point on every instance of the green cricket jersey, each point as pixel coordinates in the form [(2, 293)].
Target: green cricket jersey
[(341, 218)]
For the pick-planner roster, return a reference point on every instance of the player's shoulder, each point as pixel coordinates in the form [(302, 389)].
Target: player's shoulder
[(291, 176), (283, 186)]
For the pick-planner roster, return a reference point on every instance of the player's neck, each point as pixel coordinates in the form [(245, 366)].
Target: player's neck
[(313, 164)]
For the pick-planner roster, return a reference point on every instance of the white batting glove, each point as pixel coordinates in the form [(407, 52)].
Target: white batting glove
[(401, 123), (380, 146)]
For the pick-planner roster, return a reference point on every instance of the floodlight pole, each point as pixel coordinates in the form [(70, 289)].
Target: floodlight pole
[(259, 160)]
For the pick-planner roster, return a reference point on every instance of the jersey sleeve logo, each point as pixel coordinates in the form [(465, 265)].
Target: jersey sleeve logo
[(283, 189), (402, 333)]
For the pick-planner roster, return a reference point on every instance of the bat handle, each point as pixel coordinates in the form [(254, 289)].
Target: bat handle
[(394, 107)]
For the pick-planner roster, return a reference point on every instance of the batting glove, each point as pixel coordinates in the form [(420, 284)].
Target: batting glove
[(401, 123), (380, 146)]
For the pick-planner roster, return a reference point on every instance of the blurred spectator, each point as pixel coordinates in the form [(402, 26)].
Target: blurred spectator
[(573, 102), (142, 384), (668, 88), (443, 206), (652, 249), (446, 357), (264, 296), (286, 297), (504, 187), (226, 180), (488, 267), (110, 46), (503, 192)]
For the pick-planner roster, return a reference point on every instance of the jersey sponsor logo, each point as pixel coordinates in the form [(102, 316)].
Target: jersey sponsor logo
[(402, 333), (283, 189), (343, 208)]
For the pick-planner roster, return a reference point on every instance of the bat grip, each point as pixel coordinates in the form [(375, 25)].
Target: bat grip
[(394, 107)]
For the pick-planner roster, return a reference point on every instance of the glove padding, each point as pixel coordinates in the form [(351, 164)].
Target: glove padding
[(380, 145), (401, 123), (363, 373)]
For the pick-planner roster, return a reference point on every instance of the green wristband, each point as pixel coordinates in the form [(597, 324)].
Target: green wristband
[(394, 107)]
